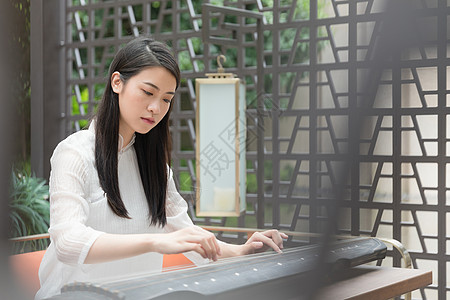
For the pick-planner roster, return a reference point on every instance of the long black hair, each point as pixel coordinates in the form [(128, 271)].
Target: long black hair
[(152, 149)]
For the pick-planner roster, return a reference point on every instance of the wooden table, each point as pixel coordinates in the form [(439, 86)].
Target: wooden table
[(374, 283)]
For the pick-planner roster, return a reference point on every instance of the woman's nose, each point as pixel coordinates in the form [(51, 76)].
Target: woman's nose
[(153, 106)]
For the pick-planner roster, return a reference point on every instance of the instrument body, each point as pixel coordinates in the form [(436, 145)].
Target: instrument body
[(265, 275)]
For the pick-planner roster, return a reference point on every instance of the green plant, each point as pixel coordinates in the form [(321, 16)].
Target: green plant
[(29, 209)]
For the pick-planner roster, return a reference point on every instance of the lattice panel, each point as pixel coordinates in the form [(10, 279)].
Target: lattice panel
[(399, 185), (98, 29), (325, 102)]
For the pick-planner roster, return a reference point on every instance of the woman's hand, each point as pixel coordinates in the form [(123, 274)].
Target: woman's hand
[(191, 238), (261, 241), (108, 247)]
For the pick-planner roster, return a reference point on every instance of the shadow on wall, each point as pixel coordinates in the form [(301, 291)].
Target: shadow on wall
[(8, 125)]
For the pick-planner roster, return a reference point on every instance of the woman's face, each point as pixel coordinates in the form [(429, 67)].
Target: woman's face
[(143, 100)]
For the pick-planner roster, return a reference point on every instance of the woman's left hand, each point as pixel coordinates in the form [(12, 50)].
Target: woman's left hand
[(261, 241)]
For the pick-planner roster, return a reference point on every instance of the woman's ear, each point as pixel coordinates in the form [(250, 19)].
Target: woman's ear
[(116, 82)]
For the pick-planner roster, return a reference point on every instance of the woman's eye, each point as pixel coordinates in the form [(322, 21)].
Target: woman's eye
[(147, 93), (167, 100)]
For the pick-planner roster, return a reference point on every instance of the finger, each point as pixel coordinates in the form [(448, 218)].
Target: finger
[(283, 236), (199, 249), (256, 245), (209, 240), (205, 246), (217, 246), (212, 244), (186, 246), (200, 240), (269, 242), (276, 237), (252, 247)]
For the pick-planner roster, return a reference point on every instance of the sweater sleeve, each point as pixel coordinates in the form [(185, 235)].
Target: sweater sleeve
[(69, 208), (177, 217), (176, 208)]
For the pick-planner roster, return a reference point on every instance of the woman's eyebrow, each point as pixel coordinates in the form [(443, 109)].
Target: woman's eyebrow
[(156, 87)]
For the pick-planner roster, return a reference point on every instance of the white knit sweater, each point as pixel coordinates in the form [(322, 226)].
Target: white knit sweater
[(79, 214)]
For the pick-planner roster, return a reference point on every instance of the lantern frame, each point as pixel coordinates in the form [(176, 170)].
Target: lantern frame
[(218, 207)]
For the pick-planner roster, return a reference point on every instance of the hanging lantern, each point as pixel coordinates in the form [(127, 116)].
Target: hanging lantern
[(220, 144)]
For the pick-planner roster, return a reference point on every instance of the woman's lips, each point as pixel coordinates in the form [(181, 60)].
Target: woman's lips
[(150, 121)]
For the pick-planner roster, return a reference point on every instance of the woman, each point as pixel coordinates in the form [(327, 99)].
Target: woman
[(114, 205)]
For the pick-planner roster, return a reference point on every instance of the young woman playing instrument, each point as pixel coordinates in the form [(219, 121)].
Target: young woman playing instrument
[(114, 205)]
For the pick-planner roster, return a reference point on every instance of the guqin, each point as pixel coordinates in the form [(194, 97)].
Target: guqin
[(258, 276)]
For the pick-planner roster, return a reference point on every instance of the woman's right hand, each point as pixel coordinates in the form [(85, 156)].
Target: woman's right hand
[(109, 247), (191, 238)]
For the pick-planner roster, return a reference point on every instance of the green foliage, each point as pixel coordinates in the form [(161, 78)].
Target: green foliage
[(29, 209), (185, 181), (286, 172), (301, 11), (76, 107), (252, 186)]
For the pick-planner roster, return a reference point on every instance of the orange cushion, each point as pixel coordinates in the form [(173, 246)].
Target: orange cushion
[(25, 267), (179, 261)]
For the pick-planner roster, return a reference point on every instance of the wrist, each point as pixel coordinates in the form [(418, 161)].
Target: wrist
[(241, 250), (230, 250), (150, 243)]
